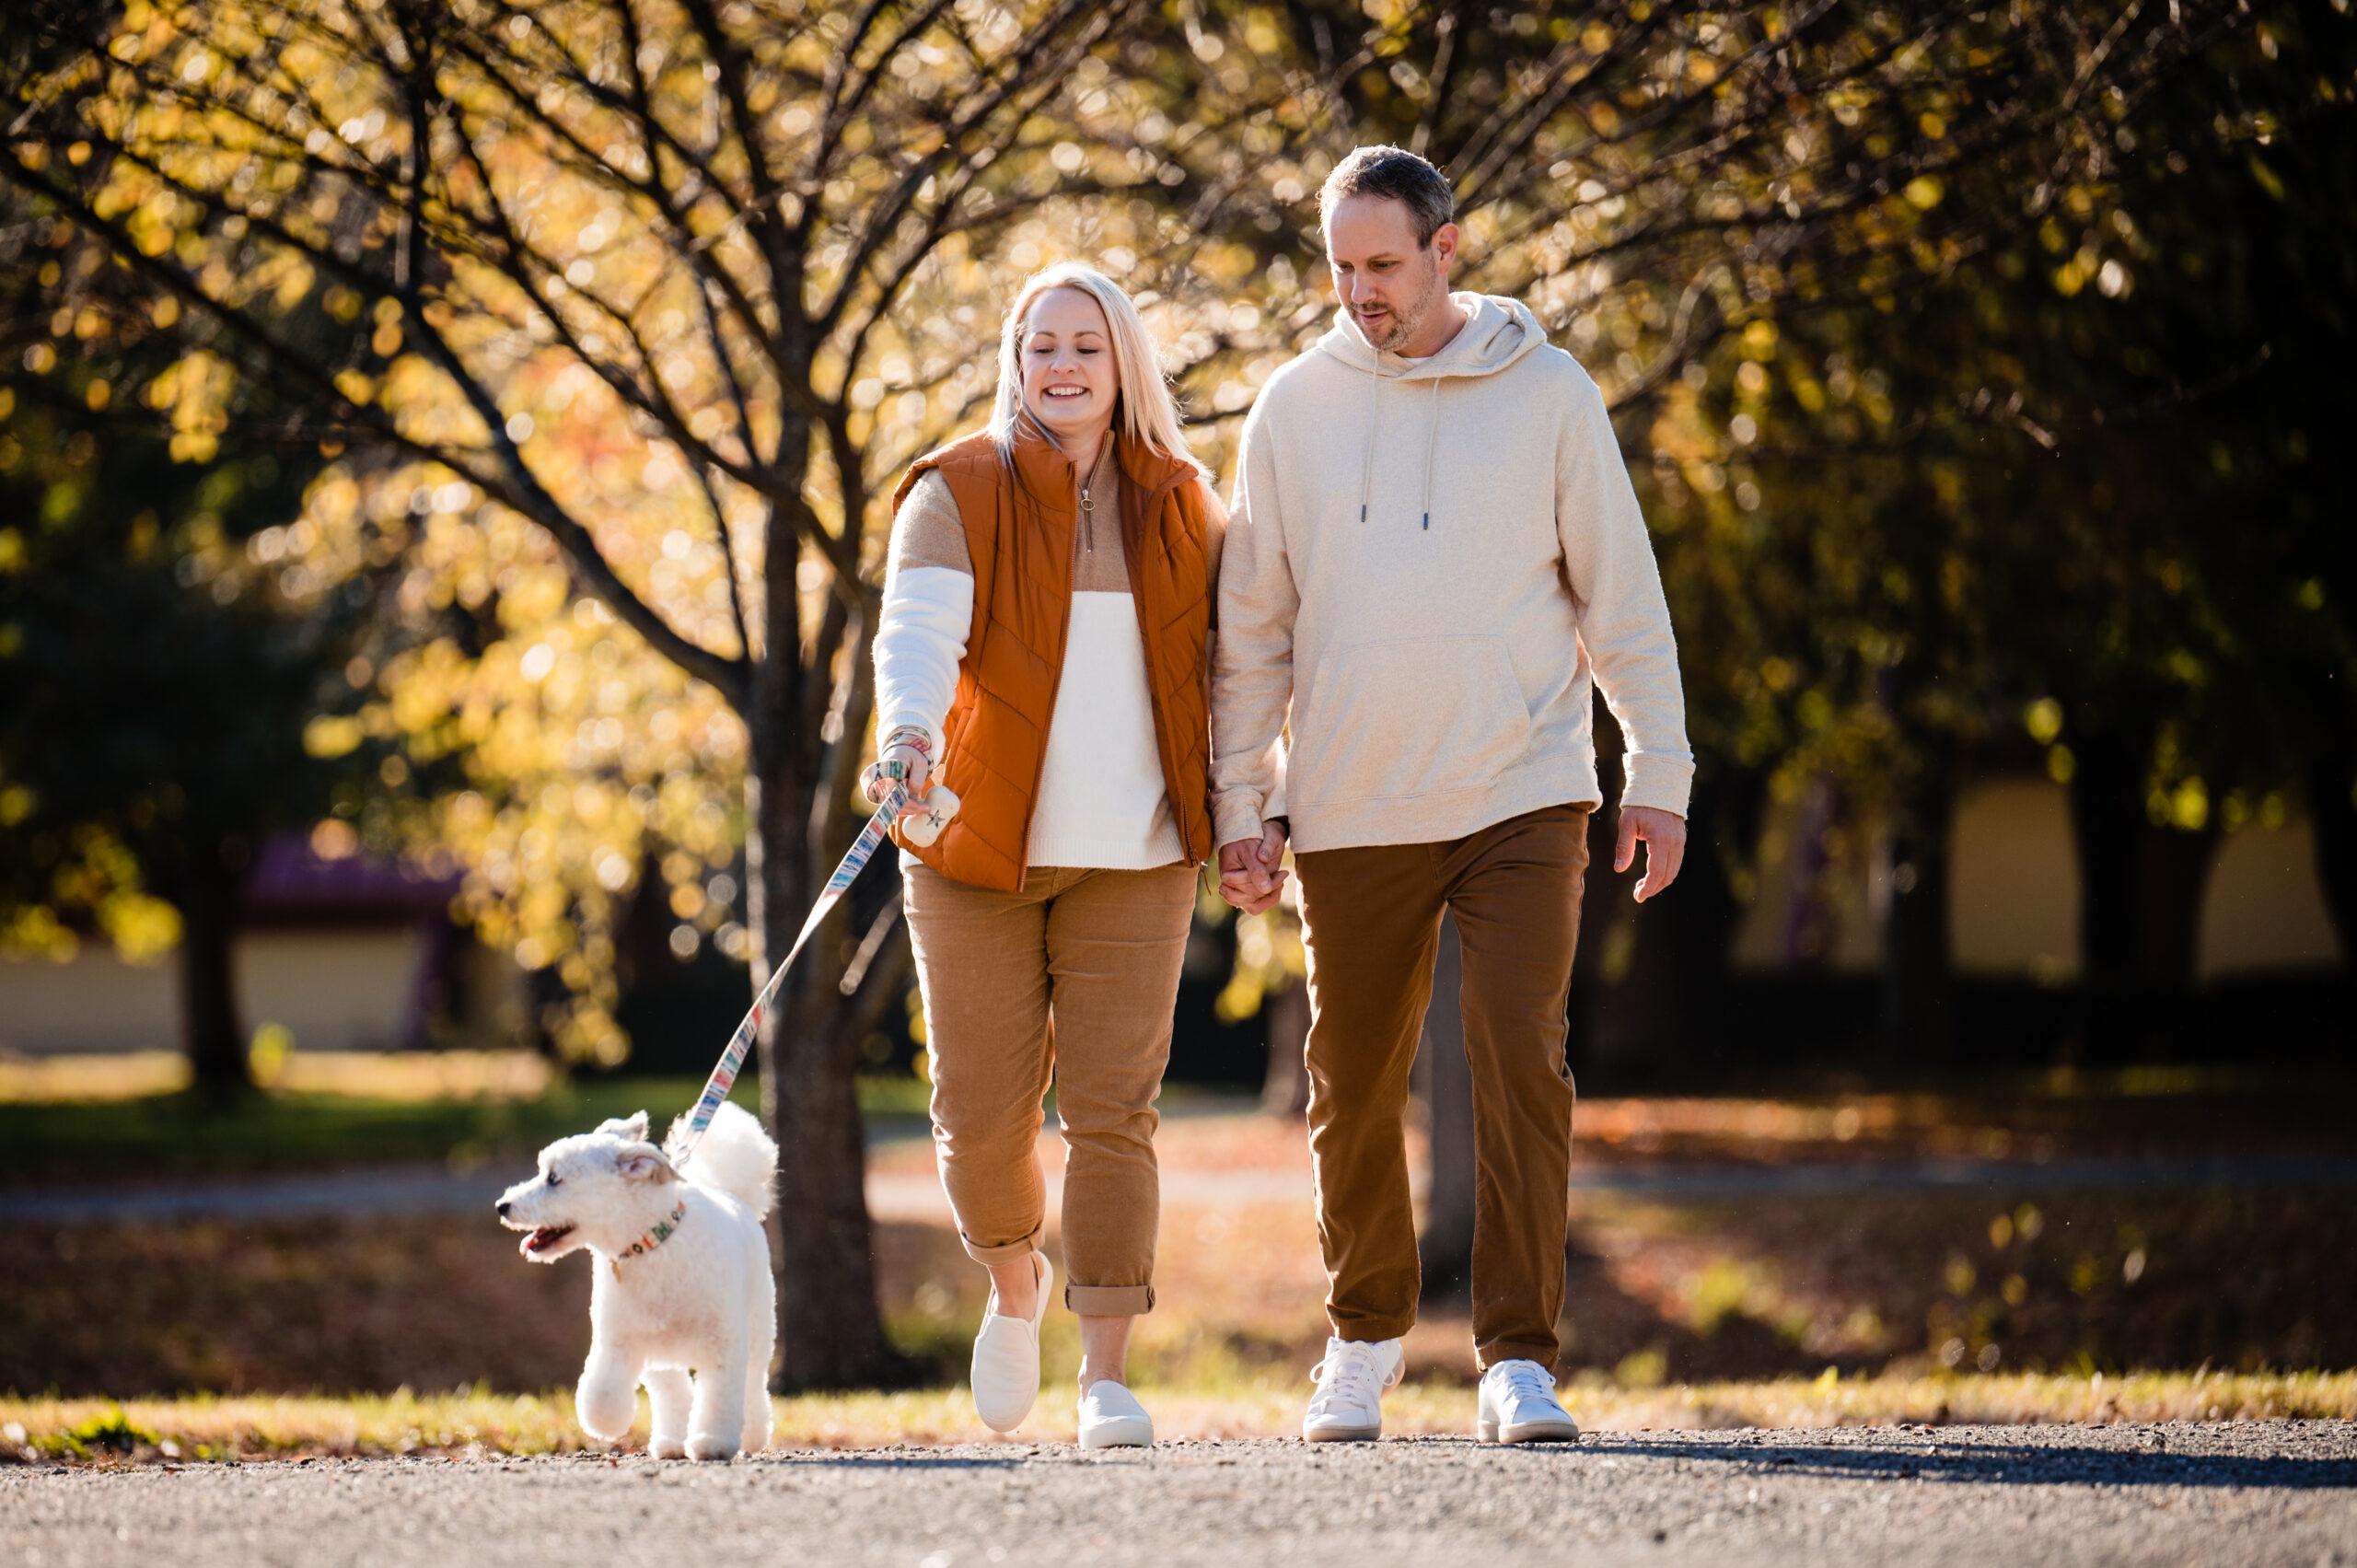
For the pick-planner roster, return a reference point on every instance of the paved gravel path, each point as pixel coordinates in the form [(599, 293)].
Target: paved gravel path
[(917, 1196), (2262, 1493)]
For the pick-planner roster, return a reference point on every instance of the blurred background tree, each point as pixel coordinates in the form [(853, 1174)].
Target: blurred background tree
[(157, 676), (739, 259), (649, 304), (2055, 506)]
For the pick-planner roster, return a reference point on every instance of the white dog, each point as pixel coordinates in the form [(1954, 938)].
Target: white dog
[(682, 1277)]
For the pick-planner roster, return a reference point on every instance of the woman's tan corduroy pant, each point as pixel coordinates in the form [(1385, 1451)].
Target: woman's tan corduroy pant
[(1075, 976), (1372, 927)]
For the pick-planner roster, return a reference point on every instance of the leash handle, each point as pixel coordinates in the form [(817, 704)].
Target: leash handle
[(925, 825)]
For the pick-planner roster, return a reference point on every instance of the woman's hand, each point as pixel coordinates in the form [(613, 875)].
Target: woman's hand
[(1251, 874), (904, 761)]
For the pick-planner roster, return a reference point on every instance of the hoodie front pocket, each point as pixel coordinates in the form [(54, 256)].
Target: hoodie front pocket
[(1427, 715)]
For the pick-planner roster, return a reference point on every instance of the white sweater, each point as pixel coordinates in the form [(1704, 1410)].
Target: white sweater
[(1428, 563)]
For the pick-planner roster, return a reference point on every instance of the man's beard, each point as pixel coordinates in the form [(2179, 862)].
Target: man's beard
[(1406, 318)]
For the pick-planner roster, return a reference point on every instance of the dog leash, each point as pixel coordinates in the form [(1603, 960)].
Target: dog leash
[(932, 815)]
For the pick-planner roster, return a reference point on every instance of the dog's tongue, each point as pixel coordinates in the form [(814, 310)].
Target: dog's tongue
[(541, 1238)]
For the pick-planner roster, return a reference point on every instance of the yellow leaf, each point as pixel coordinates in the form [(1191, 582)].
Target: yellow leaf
[(143, 929), (330, 736)]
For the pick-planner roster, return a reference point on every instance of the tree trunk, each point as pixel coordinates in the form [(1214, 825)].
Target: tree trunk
[(1446, 1244), (1702, 914), (1918, 979), (210, 1028), (2332, 781), (1627, 1012), (2140, 904), (830, 1334), (1284, 1089)]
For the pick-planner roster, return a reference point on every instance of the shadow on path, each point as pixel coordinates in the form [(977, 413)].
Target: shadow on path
[(1935, 1458)]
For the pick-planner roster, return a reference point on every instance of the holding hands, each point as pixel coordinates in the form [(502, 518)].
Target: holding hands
[(1250, 875)]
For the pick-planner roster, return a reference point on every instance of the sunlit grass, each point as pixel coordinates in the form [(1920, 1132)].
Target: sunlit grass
[(400, 1076), (70, 1117), (483, 1426), (129, 1074)]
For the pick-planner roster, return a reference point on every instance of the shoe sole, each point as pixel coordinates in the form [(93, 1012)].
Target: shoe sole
[(1119, 1434), (1531, 1431), (1341, 1434)]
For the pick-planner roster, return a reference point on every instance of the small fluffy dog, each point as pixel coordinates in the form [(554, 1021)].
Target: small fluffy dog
[(682, 1277)]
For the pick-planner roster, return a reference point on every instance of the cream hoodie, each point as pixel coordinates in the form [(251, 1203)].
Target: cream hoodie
[(1428, 563)]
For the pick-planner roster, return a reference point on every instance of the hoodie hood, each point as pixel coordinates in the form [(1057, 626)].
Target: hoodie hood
[(1498, 331)]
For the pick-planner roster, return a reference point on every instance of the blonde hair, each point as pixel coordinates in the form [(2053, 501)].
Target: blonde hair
[(1147, 414)]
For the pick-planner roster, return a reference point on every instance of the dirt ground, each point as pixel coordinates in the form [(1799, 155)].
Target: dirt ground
[(1736, 1288)]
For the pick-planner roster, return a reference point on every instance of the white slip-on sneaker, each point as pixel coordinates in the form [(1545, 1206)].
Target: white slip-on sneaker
[(1110, 1417), (1005, 1377), (1348, 1406), (1518, 1405)]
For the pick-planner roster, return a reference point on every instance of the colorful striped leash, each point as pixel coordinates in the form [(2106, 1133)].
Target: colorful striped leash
[(932, 814)]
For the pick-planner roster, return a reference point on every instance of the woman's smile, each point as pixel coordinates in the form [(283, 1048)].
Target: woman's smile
[(1069, 376)]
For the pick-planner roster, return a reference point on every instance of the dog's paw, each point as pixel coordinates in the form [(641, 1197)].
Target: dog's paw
[(609, 1421), (711, 1446), (668, 1448)]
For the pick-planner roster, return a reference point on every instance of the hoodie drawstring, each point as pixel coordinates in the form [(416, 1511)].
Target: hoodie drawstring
[(1432, 441), (1431, 445)]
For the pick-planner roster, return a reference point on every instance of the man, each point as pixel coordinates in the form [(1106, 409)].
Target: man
[(1433, 551)]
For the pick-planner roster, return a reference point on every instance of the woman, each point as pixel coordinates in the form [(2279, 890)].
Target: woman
[(1047, 615)]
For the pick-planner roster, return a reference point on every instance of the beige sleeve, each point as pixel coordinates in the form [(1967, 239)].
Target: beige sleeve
[(1214, 540), (928, 530), (1252, 656)]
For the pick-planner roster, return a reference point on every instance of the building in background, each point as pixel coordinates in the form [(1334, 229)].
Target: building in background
[(346, 954), (2013, 895)]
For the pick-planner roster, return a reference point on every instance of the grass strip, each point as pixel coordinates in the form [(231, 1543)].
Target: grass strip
[(186, 1135), (483, 1426)]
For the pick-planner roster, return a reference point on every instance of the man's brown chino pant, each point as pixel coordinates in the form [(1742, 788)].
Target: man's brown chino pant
[(1373, 916)]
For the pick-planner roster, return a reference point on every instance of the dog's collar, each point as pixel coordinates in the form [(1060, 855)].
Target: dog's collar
[(662, 1232)]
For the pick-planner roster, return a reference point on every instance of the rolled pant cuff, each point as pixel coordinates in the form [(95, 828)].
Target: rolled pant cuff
[(1012, 1252), (1109, 1301), (1373, 1330), (1487, 1356)]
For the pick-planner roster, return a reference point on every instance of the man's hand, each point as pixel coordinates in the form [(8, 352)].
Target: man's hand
[(1665, 836), (1250, 877)]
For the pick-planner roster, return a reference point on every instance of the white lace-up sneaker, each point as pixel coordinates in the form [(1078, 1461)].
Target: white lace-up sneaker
[(1005, 1377), (1110, 1417), (1348, 1406), (1518, 1405)]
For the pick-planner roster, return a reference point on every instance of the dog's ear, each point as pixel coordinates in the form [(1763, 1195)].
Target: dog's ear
[(629, 1128), (645, 1162)]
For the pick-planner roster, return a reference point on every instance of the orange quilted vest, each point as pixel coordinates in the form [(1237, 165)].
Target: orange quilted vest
[(1019, 534)]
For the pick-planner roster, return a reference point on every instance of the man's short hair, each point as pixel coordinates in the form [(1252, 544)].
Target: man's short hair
[(1398, 175)]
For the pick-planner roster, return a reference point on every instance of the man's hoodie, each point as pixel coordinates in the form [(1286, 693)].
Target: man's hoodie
[(1428, 562)]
